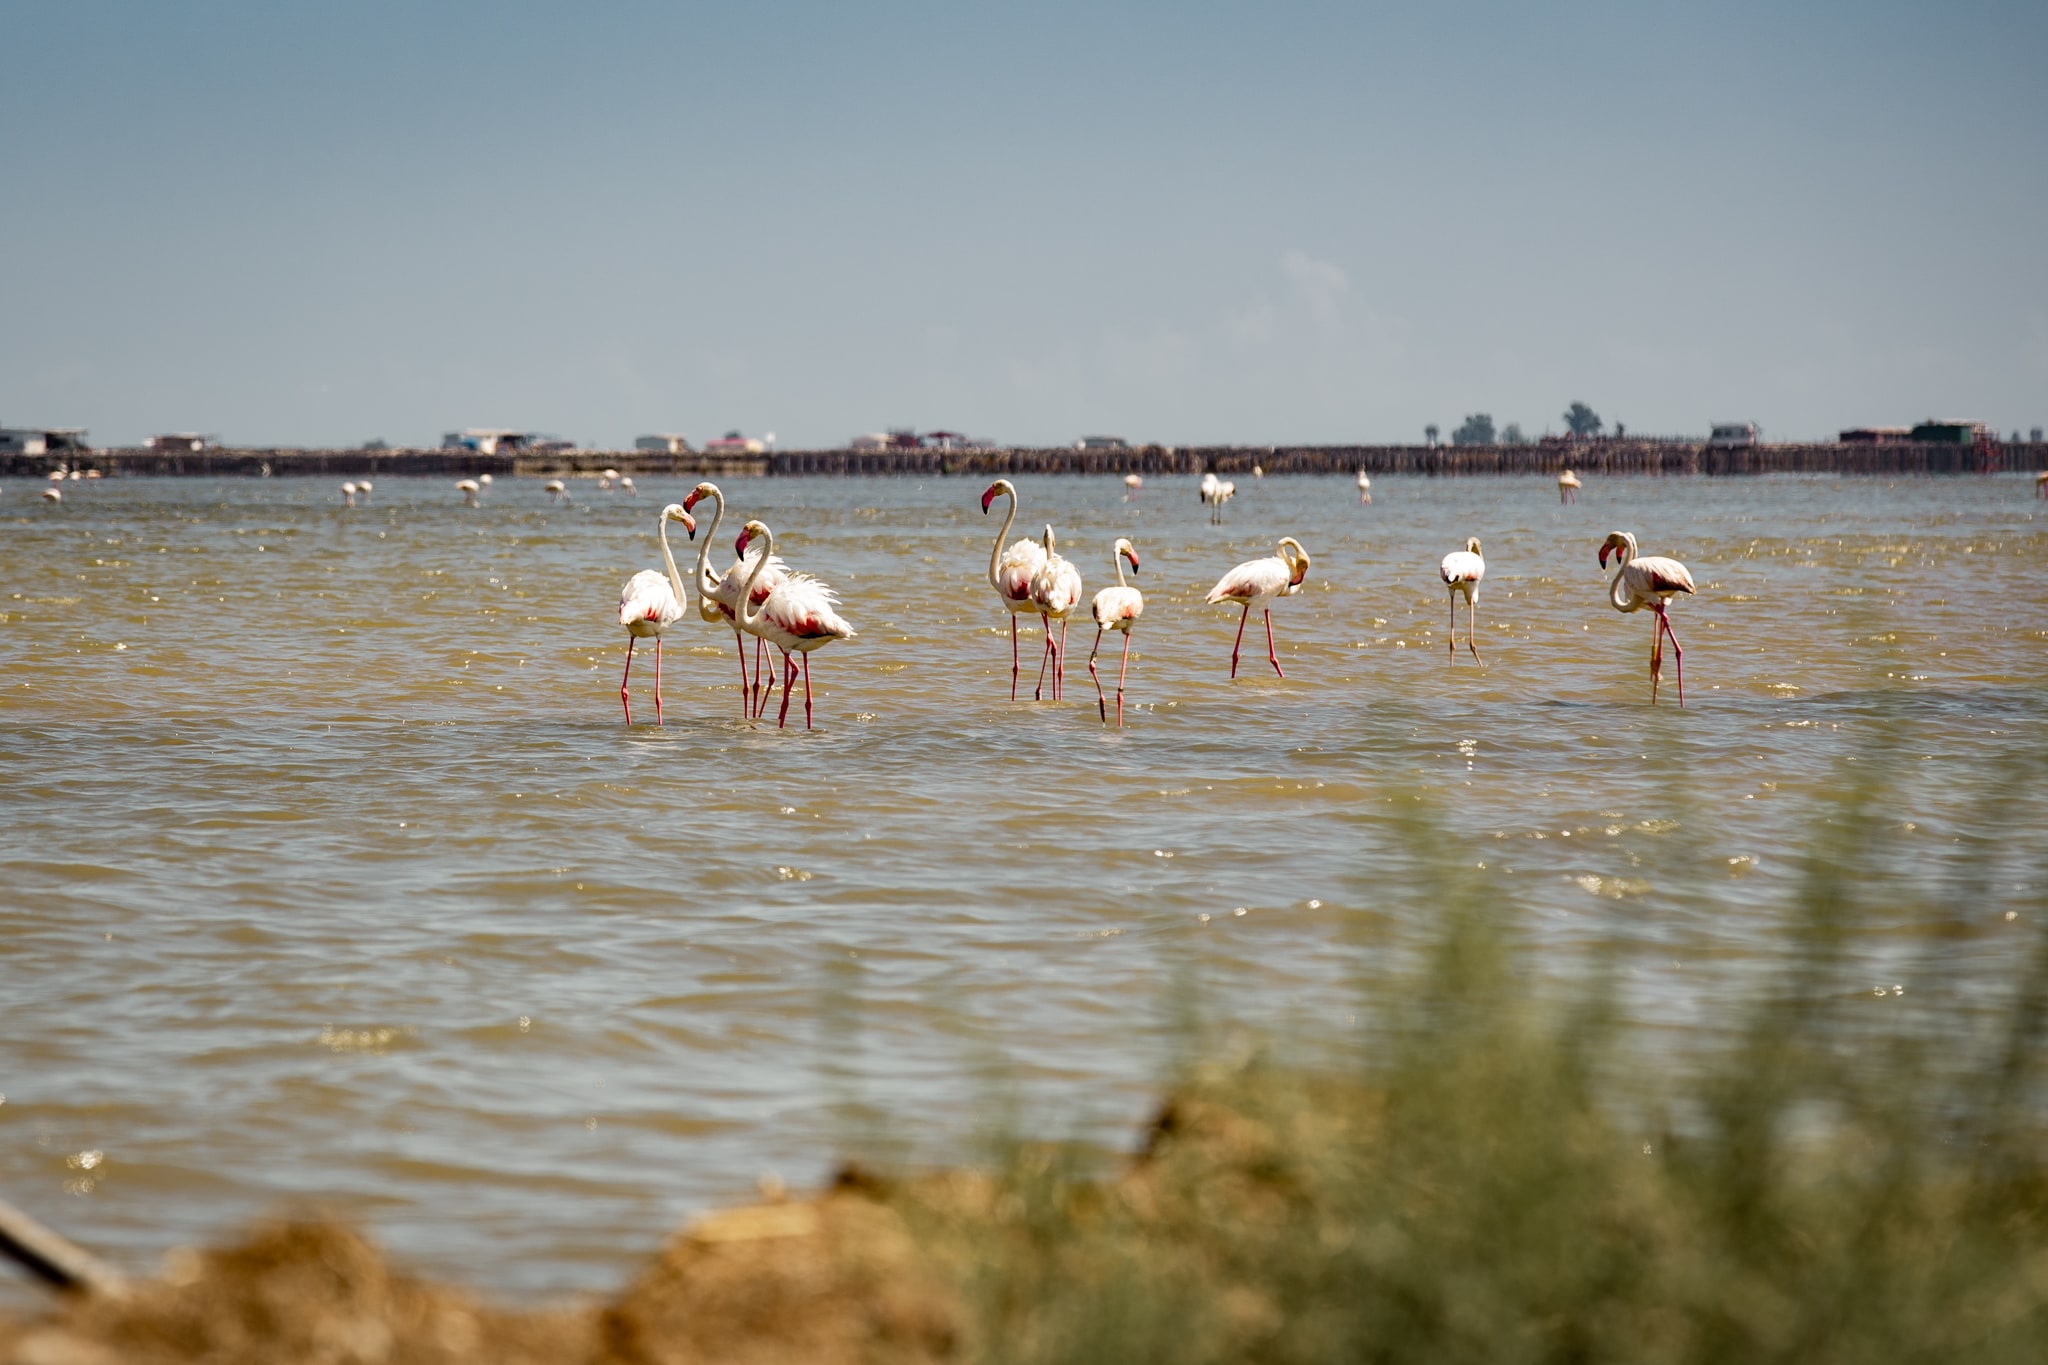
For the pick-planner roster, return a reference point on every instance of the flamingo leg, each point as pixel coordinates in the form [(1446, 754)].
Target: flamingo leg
[(625, 698), (1271, 653), (1454, 625), (1471, 606), (657, 680), (1120, 681), (788, 681), (1240, 638), (807, 690), (1059, 665), (1677, 655), (1101, 703), (1038, 692), (1014, 666), (764, 686), (739, 646), (1656, 654)]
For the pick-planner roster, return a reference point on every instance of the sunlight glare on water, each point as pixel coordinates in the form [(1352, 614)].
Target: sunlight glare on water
[(331, 872)]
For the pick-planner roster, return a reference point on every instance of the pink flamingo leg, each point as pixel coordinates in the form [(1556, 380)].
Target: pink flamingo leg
[(1038, 692), (739, 645), (1101, 703), (1120, 681), (788, 681), (1014, 665), (1677, 655), (626, 697), (1656, 654), (1059, 665), (1454, 625), (1270, 652), (657, 680), (807, 690), (764, 686), (1240, 638), (1471, 642)]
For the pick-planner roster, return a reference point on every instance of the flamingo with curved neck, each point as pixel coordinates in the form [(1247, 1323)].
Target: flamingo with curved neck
[(650, 603), (716, 594), (1647, 581), (797, 617), (1010, 571), (1118, 609)]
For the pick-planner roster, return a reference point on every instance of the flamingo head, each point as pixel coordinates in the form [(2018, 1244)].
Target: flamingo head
[(1621, 545), (1129, 552), (1298, 559), (702, 490), (1048, 540), (676, 511), (1472, 544), (747, 533), (999, 487)]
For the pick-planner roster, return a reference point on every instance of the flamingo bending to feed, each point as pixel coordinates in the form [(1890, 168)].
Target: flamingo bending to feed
[(650, 603), (1651, 582), (348, 494), (797, 617), (363, 487), (52, 495), (1055, 592), (1010, 571), (718, 597), (556, 489), (483, 479), (469, 489), (1567, 487), (1364, 487), (607, 478), (1134, 482), (1255, 583), (626, 486), (1461, 571), (1118, 609)]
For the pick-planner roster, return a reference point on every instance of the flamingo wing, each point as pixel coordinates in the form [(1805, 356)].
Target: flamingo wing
[(1251, 580), (1115, 608), (802, 607), (1656, 573), (649, 596), (1462, 566), (1018, 566)]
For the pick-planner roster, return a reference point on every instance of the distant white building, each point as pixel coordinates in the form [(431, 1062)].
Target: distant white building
[(1728, 434), (664, 442), (1101, 443), (42, 440), (181, 441), (734, 443), (485, 440)]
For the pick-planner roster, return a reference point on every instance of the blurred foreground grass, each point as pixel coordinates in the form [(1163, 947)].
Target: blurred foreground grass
[(1495, 1170)]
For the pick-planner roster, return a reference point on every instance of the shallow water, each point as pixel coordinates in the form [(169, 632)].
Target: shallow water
[(331, 872)]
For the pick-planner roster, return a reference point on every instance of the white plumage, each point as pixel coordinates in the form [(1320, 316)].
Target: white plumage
[(1214, 492), (718, 596), (1567, 487), (1011, 570), (556, 489), (1364, 487), (1648, 581), (1116, 608), (798, 617), (1055, 592), (650, 603), (1256, 583), (1461, 571), (469, 488), (348, 494)]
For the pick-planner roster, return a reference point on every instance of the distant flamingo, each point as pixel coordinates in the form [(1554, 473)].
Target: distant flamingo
[(363, 487), (2041, 484), (1567, 487), (1010, 571), (1135, 483), (469, 490), (556, 489), (1214, 492), (483, 479), (348, 494), (626, 486), (1648, 582), (1258, 471), (52, 495), (1255, 583), (606, 479), (1364, 487), (1461, 571), (650, 603), (798, 616), (1118, 609), (1055, 592), (718, 597)]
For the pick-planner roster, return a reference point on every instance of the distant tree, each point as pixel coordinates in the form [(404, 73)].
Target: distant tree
[(1581, 420), (1511, 435), (378, 444), (1429, 432), (2034, 435), (1477, 430), (1620, 430)]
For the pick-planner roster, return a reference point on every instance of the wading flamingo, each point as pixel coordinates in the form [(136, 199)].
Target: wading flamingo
[(1010, 571), (1256, 582), (1461, 571), (52, 495), (1055, 592), (1567, 487), (469, 488), (1135, 483), (1214, 492), (626, 486), (1364, 487), (798, 616), (483, 479), (363, 487), (717, 597), (1118, 609), (2041, 484), (348, 494), (606, 479), (650, 603), (556, 489), (1648, 582)]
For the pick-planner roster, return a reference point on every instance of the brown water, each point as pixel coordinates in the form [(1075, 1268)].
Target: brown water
[(329, 870)]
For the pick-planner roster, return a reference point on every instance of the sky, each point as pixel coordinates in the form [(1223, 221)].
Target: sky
[(1185, 222)]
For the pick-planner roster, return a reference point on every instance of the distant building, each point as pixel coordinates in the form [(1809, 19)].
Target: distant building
[(1876, 436), (182, 441), (1101, 443), (42, 440), (1730, 434), (485, 440), (736, 443), (664, 442), (1934, 431), (869, 440)]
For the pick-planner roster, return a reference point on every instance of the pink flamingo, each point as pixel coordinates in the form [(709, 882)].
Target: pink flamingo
[(797, 617), (717, 597), (1648, 582), (650, 604), (1567, 487), (1118, 609), (1055, 592), (1010, 571), (1461, 572), (1256, 582)]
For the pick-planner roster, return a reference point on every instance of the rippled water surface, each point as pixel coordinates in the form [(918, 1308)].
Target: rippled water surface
[(329, 870)]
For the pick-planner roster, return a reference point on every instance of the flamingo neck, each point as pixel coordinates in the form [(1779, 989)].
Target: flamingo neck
[(995, 554), (1117, 559), (747, 613), (675, 577), (706, 583)]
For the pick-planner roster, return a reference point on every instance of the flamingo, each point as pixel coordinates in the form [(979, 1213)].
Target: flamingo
[(52, 495), (57, 474), (2041, 484), (348, 494), (1647, 582), (1135, 483), (797, 617), (483, 479), (1364, 487), (1256, 582), (1567, 487), (469, 490), (717, 597), (1118, 609), (363, 487), (1055, 592), (1461, 571), (650, 603), (607, 478), (1215, 492), (626, 486), (556, 489), (1010, 571)]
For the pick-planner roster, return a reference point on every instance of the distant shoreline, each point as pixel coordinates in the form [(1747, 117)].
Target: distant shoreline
[(1598, 457)]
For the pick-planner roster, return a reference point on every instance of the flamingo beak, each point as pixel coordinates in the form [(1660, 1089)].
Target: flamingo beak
[(690, 503), (690, 525), (987, 498), (1134, 562), (739, 547), (1603, 555)]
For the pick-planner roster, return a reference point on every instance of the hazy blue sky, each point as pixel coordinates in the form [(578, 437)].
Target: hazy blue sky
[(315, 224)]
